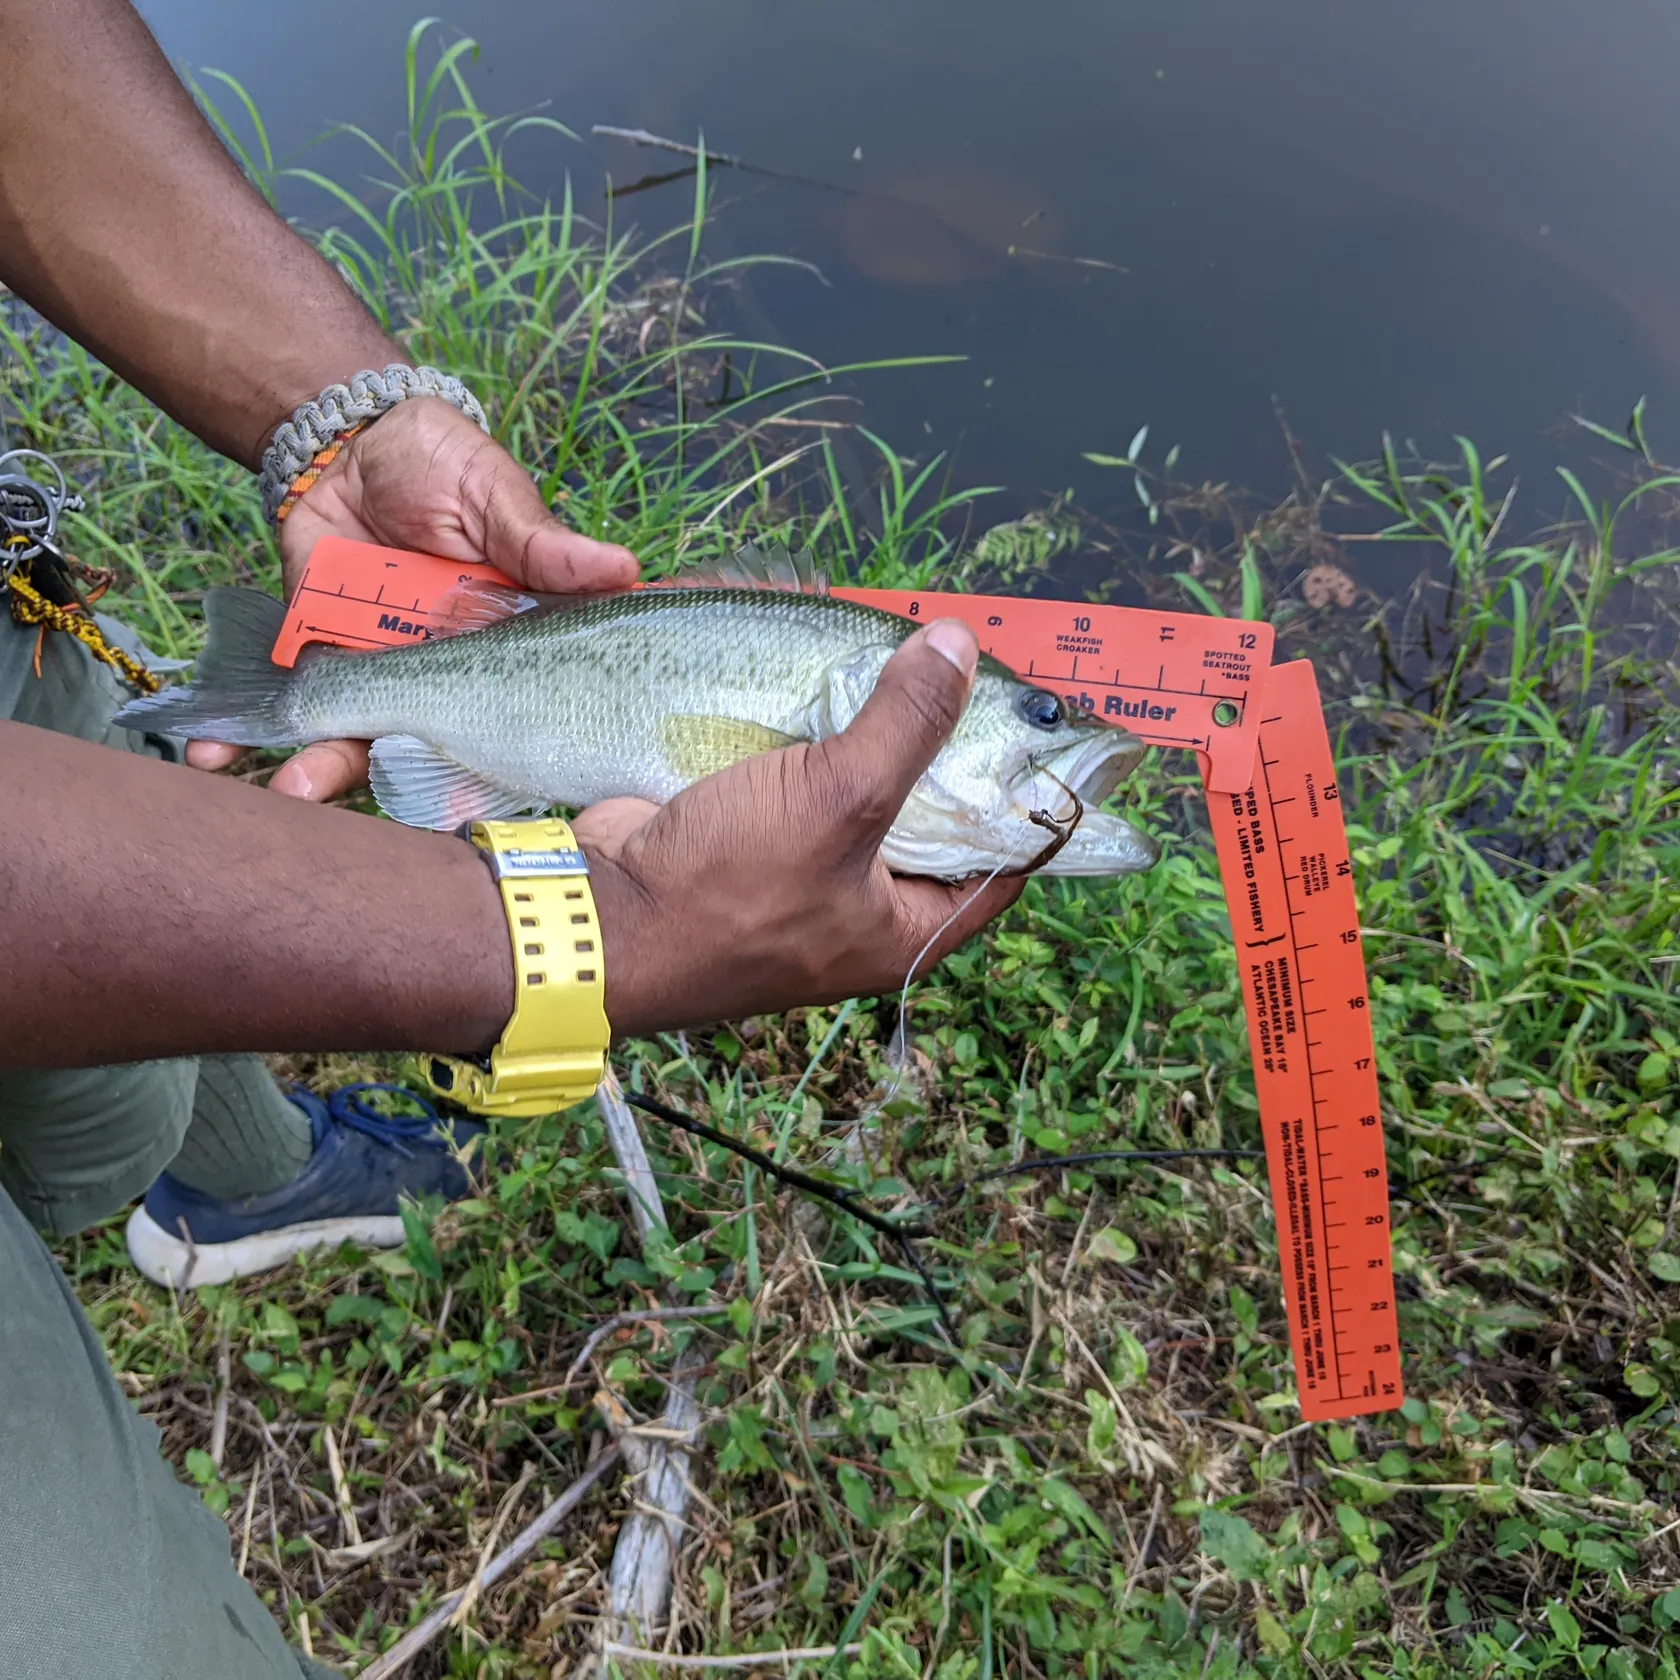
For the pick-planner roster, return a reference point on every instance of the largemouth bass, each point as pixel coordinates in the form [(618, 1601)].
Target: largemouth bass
[(534, 701)]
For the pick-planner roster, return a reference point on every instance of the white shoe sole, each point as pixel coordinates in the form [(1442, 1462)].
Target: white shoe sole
[(173, 1262)]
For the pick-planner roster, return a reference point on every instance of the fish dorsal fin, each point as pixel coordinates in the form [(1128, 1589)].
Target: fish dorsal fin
[(424, 788), (698, 746), (752, 567), (475, 606)]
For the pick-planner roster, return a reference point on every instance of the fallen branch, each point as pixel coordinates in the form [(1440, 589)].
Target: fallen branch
[(529, 1538), (641, 137), (644, 1561), (726, 160)]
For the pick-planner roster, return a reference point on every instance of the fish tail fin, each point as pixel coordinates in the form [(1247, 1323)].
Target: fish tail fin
[(238, 694)]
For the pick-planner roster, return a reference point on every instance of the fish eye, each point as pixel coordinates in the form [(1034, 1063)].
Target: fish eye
[(1040, 708)]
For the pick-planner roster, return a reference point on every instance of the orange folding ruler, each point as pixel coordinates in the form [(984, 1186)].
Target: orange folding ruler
[(1206, 685)]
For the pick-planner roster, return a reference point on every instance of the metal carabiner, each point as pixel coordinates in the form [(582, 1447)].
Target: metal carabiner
[(29, 510)]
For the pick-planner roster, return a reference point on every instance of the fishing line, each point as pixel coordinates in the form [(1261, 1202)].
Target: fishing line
[(901, 1034), (849, 1201), (1063, 831), (846, 1200)]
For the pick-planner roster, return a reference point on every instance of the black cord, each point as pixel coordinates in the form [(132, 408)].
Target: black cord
[(913, 1255), (836, 1195), (841, 1197), (848, 1201), (1056, 1163)]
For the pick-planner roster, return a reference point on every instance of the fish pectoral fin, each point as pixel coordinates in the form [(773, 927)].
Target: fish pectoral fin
[(698, 746), (424, 788)]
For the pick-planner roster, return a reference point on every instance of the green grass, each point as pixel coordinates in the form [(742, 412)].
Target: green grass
[(1108, 1475)]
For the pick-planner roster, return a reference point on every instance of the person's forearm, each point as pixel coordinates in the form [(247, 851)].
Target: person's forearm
[(125, 222), (147, 910)]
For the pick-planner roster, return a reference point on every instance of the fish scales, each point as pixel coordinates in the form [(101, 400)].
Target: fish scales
[(580, 692)]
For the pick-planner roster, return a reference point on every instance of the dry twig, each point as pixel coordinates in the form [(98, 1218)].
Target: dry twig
[(529, 1538)]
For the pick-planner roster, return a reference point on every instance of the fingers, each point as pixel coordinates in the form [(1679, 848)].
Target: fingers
[(427, 478), (211, 755), (523, 539), (603, 829), (326, 770), (908, 717)]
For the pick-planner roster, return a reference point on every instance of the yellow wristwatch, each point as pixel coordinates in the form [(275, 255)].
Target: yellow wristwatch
[(553, 1051)]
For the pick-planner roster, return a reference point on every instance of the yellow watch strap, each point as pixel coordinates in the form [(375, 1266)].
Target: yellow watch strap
[(553, 1050)]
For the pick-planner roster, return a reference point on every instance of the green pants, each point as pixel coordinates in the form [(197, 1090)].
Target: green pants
[(110, 1569)]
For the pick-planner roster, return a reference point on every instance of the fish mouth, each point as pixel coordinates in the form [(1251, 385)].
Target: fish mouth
[(1047, 822), (1100, 844), (1058, 792), (1083, 773), (1104, 845)]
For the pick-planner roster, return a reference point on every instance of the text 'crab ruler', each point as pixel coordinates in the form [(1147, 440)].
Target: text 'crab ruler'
[(1175, 680)]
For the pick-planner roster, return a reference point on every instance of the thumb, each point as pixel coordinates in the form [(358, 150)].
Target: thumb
[(915, 704), (522, 538)]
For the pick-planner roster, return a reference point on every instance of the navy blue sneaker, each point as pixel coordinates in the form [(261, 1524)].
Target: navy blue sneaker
[(363, 1162)]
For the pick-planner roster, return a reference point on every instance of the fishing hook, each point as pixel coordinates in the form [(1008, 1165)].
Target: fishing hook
[(1061, 828)]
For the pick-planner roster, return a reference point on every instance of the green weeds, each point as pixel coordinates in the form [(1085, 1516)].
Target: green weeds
[(1106, 1474)]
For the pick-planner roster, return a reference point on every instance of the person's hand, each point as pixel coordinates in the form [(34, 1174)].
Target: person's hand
[(762, 888), (424, 477)]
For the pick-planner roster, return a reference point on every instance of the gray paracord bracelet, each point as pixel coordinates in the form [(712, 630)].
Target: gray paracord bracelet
[(368, 395)]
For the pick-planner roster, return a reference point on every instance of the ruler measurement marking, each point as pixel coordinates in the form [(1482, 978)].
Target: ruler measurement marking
[(369, 640), (1323, 1213)]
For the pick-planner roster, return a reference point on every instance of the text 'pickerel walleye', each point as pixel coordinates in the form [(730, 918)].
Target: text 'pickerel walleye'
[(531, 701)]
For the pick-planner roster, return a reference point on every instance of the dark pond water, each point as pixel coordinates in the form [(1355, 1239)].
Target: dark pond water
[(1448, 216)]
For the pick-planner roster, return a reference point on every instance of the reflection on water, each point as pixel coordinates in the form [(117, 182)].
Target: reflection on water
[(944, 226), (1431, 219)]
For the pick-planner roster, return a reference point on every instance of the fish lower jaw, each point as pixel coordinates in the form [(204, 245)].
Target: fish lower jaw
[(1100, 847), (959, 857), (1104, 846)]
